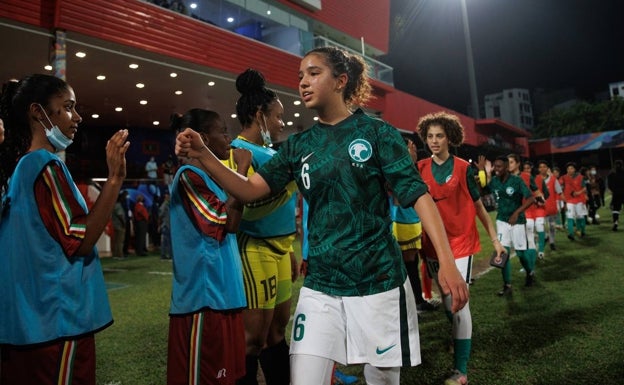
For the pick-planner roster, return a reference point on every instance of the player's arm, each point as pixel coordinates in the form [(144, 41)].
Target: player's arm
[(190, 144)]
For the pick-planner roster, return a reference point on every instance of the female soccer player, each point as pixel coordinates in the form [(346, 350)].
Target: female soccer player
[(206, 334), (52, 291), (265, 237), (356, 305), (453, 188)]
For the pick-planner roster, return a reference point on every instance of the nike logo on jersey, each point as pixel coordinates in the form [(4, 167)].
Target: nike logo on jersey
[(304, 158), (382, 351)]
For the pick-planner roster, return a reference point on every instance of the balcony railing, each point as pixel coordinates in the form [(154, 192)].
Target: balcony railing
[(377, 69)]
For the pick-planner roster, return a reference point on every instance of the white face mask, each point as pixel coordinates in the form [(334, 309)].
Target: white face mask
[(266, 135), (54, 134)]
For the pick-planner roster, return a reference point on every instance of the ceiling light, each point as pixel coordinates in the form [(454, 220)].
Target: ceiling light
[(268, 11), (178, 92), (48, 68), (315, 118), (211, 84), (143, 102), (101, 77), (233, 116), (193, 5), (118, 109), (173, 75), (95, 116), (289, 123), (155, 122), (230, 19), (140, 85), (296, 114), (80, 54), (133, 66), (297, 102)]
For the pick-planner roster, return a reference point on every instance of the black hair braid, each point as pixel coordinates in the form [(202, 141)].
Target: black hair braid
[(254, 95)]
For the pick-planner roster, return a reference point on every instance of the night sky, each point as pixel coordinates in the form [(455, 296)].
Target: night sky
[(550, 44)]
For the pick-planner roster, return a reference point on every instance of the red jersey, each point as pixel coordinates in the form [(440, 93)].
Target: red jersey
[(456, 208), (536, 210), (551, 203), (570, 184)]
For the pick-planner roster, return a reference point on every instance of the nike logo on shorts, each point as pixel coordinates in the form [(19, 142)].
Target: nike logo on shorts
[(382, 351)]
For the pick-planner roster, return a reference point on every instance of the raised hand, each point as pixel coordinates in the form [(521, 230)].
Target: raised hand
[(190, 144), (116, 148)]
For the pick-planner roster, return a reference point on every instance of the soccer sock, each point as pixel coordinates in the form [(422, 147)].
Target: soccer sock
[(580, 224), (251, 371), (571, 226), (524, 260), (506, 271), (616, 217), (462, 354), (275, 363), (531, 255), (541, 241), (414, 278), (551, 230), (426, 281)]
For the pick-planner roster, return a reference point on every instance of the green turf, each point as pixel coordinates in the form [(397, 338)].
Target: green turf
[(565, 330)]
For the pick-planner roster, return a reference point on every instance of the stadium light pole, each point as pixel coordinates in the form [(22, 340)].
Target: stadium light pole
[(474, 97)]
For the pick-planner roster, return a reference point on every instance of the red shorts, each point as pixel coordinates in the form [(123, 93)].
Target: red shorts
[(63, 362), (206, 348)]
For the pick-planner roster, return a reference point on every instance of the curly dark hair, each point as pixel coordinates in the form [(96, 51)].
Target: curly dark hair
[(358, 89), (449, 123), (15, 101), (254, 96)]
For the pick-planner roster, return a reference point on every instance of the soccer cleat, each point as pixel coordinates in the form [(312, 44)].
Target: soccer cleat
[(458, 378), (506, 290), (552, 247), (614, 228), (570, 237), (530, 279)]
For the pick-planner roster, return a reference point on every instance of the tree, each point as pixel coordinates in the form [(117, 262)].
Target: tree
[(580, 118)]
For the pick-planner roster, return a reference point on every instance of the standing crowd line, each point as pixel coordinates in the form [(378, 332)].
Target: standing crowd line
[(372, 212)]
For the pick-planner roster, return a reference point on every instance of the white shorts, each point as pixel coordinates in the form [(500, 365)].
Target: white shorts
[(379, 329), (576, 210), (512, 236), (464, 265)]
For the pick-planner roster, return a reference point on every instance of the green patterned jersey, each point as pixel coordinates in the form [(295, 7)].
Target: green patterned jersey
[(442, 173), (509, 196), (342, 171)]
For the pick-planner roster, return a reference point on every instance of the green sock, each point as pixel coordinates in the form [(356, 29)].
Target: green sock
[(462, 354), (541, 241), (580, 224), (523, 256), (571, 226)]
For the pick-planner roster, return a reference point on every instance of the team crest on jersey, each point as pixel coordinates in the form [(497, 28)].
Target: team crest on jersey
[(510, 190), (360, 150)]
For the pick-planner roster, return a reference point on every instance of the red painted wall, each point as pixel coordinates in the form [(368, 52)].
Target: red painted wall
[(403, 111), (154, 29), (35, 12), (358, 18)]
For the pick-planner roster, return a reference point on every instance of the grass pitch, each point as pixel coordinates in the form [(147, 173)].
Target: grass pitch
[(564, 330)]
